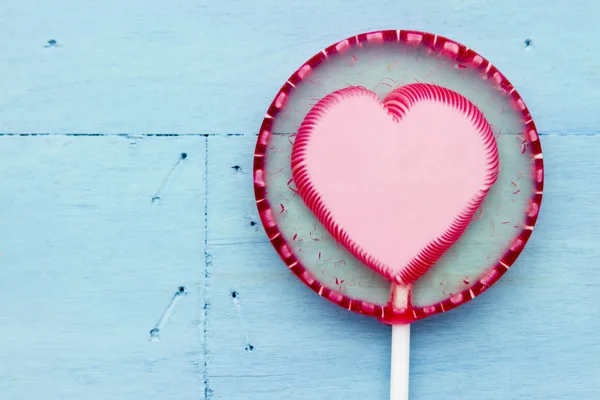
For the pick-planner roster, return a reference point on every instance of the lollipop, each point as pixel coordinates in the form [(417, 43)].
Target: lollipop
[(399, 175)]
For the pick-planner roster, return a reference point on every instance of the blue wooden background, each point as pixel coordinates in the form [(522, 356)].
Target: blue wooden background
[(93, 124)]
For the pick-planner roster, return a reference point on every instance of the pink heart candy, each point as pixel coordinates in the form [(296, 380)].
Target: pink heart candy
[(395, 182)]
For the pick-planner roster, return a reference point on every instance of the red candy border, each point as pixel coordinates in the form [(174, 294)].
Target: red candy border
[(462, 55)]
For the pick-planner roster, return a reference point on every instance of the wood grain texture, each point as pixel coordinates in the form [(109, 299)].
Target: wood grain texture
[(532, 336), (145, 67), (88, 263)]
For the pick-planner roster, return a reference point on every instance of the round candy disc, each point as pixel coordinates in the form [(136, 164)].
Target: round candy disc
[(393, 68)]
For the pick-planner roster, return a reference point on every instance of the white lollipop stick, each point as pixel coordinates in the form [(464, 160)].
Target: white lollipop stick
[(400, 362), (400, 349)]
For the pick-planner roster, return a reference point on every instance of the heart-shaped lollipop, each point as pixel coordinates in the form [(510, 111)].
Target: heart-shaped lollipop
[(396, 182)]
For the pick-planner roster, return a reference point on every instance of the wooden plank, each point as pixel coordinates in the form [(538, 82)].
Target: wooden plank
[(89, 262), (533, 335), (302, 347), (214, 67)]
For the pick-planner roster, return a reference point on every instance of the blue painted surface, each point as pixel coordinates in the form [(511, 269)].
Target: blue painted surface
[(146, 66), (532, 336), (88, 262)]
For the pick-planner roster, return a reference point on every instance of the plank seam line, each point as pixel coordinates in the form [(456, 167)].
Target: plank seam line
[(207, 263), (206, 135)]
